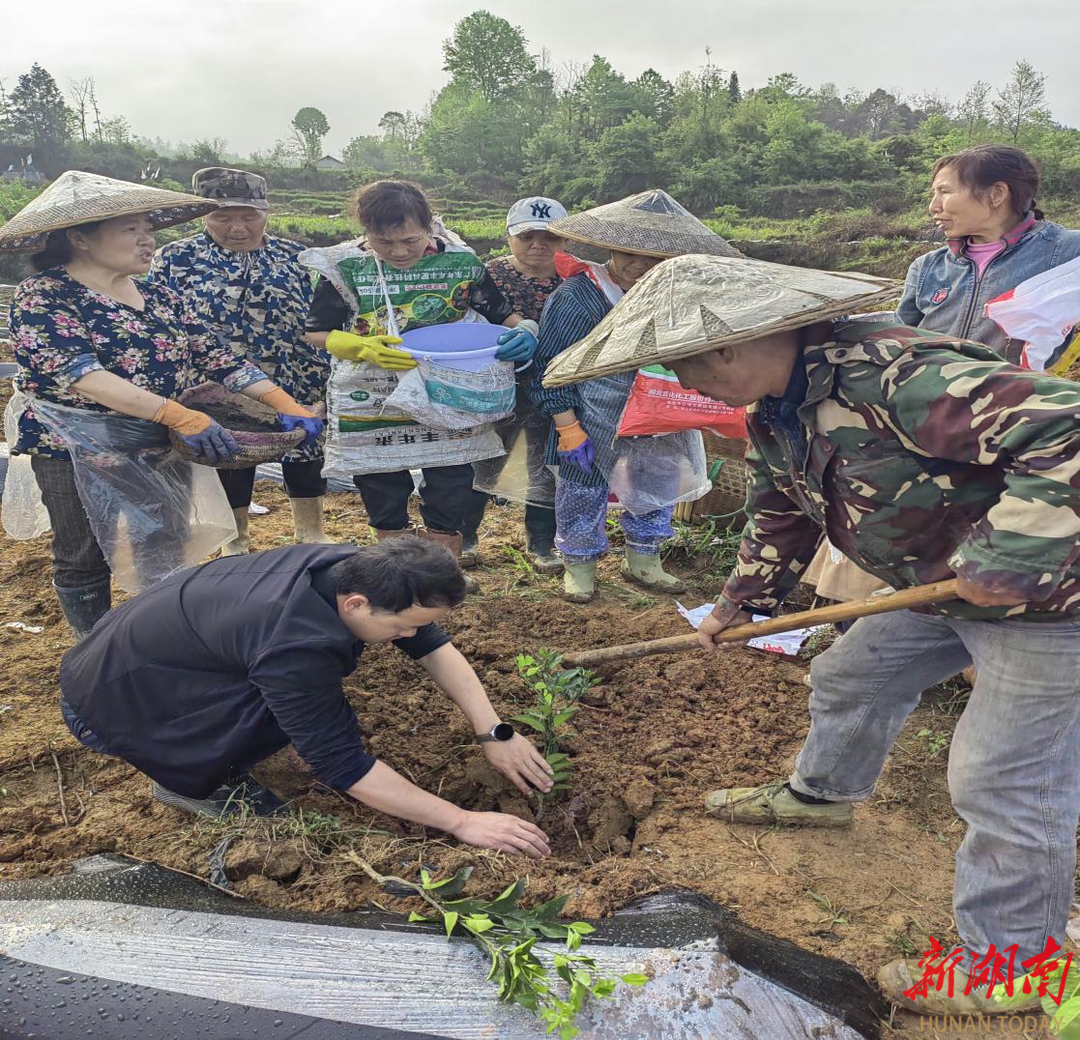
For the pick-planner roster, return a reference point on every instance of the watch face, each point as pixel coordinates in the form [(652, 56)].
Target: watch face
[(503, 731)]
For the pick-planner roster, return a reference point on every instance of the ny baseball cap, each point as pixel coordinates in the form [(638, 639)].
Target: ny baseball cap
[(533, 214)]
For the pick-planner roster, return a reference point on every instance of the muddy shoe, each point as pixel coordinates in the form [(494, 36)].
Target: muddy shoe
[(774, 803), (229, 798), (470, 552), (901, 975), (649, 573), (579, 582), (547, 563)]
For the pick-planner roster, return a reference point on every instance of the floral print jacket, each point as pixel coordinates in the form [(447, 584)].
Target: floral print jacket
[(256, 302), (61, 330)]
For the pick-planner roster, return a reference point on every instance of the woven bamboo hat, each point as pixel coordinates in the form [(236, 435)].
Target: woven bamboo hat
[(694, 304), (650, 223), (76, 198)]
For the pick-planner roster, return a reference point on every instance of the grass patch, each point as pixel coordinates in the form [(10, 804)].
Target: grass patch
[(716, 542)]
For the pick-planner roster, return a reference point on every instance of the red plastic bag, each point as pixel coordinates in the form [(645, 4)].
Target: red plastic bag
[(658, 404)]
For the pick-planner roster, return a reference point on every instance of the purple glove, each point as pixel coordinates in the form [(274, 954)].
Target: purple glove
[(215, 443), (312, 427), (583, 456)]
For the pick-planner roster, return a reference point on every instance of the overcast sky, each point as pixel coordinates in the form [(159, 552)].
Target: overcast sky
[(239, 69)]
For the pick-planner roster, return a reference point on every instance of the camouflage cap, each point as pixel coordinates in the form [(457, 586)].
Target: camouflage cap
[(230, 187)]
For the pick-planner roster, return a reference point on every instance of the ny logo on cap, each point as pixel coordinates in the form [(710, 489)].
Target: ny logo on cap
[(541, 210)]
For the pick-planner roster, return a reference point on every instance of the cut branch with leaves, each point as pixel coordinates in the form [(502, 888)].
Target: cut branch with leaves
[(508, 934)]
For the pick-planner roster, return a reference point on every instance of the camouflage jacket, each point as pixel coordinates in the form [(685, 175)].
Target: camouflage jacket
[(924, 456)]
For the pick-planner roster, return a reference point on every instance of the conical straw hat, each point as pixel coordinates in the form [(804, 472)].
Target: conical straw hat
[(76, 198), (693, 304), (651, 223)]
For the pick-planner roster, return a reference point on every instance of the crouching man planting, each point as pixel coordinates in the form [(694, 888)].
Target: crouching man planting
[(202, 676), (921, 456)]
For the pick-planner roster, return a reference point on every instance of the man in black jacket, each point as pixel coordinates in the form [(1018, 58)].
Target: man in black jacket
[(202, 676)]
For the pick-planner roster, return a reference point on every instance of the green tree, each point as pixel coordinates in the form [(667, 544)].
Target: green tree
[(627, 158), (488, 54), (37, 115), (654, 96), (310, 127), (605, 98), (973, 113), (368, 152), (1019, 103), (733, 88)]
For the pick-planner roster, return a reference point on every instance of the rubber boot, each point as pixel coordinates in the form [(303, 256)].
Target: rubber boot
[(307, 518), (381, 534), (453, 542), (83, 605), (241, 544), (540, 535), (579, 582), (648, 572), (470, 529)]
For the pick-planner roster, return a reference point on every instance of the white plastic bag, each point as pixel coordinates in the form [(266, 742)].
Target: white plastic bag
[(24, 513), (789, 643), (152, 512), (1041, 311), (450, 399)]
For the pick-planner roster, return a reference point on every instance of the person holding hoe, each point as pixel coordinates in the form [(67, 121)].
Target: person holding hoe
[(922, 457), (217, 667)]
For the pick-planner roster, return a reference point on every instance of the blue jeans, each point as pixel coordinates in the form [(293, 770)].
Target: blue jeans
[(1014, 762), (580, 517)]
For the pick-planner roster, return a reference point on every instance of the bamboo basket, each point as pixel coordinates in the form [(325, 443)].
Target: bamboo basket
[(727, 471)]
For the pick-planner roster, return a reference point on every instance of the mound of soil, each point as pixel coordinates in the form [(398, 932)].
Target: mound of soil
[(650, 741)]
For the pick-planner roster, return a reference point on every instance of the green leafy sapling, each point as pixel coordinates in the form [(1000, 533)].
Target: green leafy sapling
[(557, 691)]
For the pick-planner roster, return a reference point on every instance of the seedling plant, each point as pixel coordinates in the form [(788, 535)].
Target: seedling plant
[(557, 692), (509, 934)]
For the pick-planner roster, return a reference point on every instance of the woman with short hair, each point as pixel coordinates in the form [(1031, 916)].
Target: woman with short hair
[(407, 272)]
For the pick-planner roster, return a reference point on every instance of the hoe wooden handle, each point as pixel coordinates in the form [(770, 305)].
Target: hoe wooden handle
[(917, 596)]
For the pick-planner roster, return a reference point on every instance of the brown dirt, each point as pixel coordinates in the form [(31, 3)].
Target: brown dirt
[(654, 737)]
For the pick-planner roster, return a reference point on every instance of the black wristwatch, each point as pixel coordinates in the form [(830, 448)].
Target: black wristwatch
[(500, 731)]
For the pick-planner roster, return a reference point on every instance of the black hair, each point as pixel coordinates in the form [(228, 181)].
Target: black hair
[(389, 204), (981, 167), (58, 250), (400, 573)]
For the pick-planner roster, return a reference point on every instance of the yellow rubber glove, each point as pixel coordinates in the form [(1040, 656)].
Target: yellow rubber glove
[(350, 347), (186, 421), (283, 403), (571, 436)]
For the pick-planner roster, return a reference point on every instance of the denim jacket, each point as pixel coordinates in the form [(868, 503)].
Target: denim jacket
[(943, 294)]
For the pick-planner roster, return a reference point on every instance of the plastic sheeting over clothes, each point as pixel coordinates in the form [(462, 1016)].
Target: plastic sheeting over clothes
[(644, 473), (24, 513), (151, 512)]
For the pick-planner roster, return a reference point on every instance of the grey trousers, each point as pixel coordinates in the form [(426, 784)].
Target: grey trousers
[(77, 559), (1014, 762)]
